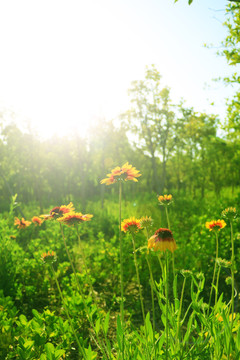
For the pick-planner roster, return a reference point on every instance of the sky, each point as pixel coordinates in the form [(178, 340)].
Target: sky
[(64, 64)]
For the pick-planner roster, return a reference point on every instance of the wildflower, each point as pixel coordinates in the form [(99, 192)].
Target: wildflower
[(229, 213), (165, 199), (37, 221), (59, 211), (220, 318), (146, 221), (126, 172), (48, 257), (131, 225), (215, 225), (162, 240), (21, 224), (223, 262), (73, 218), (186, 273)]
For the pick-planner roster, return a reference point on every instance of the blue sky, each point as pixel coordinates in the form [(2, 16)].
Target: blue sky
[(64, 63)]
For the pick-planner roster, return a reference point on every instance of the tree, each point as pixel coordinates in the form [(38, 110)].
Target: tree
[(151, 119)]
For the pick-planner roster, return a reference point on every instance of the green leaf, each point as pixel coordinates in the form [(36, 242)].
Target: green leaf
[(149, 327), (119, 333), (36, 314), (119, 326), (89, 353), (106, 323), (50, 350), (238, 339), (28, 344), (23, 319), (97, 326), (59, 353)]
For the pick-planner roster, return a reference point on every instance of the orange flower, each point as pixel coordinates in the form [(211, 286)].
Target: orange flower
[(21, 224), (165, 199), (215, 225), (48, 257), (73, 218), (126, 172), (59, 211), (162, 240), (37, 221), (132, 225)]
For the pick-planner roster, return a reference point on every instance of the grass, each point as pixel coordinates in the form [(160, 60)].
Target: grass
[(177, 323)]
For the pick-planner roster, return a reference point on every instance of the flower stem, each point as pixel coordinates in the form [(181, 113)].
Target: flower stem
[(138, 279), (121, 251), (180, 308), (214, 272), (86, 268), (232, 270), (161, 265), (148, 258), (168, 222), (217, 282), (166, 328), (69, 257), (173, 258), (82, 350)]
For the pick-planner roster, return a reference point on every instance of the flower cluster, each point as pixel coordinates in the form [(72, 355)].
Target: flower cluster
[(131, 225), (21, 224), (126, 172), (162, 240), (165, 199), (73, 218), (48, 257), (215, 225), (229, 213)]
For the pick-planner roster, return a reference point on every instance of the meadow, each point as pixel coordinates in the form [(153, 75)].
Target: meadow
[(123, 244), (79, 286)]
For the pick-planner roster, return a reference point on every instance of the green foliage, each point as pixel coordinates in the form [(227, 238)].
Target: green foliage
[(46, 333)]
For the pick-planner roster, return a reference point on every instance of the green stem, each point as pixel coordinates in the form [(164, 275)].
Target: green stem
[(168, 222), (121, 266), (173, 258), (217, 282), (82, 350), (138, 279), (70, 260), (232, 270), (214, 272), (180, 308), (148, 258), (161, 265), (86, 268), (166, 328), (121, 251)]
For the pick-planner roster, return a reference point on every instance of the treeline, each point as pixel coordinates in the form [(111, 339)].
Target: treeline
[(176, 149)]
